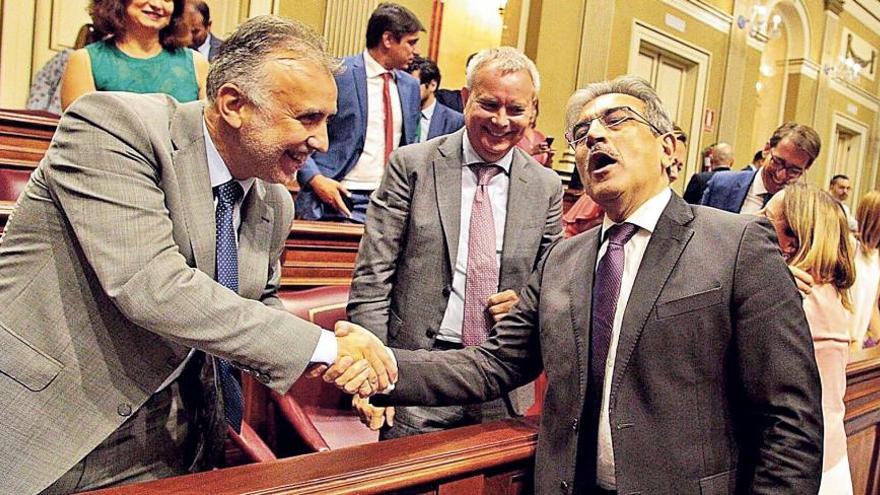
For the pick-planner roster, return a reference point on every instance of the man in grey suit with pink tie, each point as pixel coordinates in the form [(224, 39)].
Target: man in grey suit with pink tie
[(150, 231), (453, 232), (677, 354)]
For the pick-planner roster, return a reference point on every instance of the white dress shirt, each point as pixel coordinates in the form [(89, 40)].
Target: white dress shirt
[(367, 172), (450, 326), (325, 352), (205, 48), (425, 122), (645, 217), (755, 199)]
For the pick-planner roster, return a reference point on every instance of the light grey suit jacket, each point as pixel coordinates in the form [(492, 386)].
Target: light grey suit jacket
[(715, 388), (403, 274), (107, 280)]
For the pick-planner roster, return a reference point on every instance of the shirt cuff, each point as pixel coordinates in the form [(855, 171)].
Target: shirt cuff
[(326, 350)]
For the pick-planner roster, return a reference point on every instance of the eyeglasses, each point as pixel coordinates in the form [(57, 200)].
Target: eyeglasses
[(791, 170), (611, 118)]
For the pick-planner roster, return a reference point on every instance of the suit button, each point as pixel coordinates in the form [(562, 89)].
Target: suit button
[(563, 487), (124, 409), (446, 291), (574, 425), (263, 378)]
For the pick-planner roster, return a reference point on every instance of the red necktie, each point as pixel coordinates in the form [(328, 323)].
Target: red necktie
[(389, 118), (482, 267)]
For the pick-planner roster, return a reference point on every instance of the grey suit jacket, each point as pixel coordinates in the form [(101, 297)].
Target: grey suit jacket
[(715, 388), (106, 281), (403, 274)]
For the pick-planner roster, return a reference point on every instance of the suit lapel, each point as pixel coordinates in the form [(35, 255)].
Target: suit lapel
[(359, 74), (191, 164), (581, 298), (436, 125), (447, 187), (668, 241), (520, 204), (742, 190), (253, 242)]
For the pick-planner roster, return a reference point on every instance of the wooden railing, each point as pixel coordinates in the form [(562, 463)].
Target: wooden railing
[(493, 458)]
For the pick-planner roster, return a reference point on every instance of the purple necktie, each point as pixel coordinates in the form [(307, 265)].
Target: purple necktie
[(482, 269), (606, 290)]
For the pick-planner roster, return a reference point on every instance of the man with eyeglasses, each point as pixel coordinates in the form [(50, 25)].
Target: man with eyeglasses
[(676, 350), (788, 154)]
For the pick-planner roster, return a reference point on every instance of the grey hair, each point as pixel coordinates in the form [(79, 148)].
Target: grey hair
[(628, 85), (506, 59), (242, 57)]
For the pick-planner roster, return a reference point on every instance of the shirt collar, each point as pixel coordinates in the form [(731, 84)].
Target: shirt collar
[(647, 215), (204, 47), (218, 172), (758, 186), (429, 111), (373, 68), (472, 158)]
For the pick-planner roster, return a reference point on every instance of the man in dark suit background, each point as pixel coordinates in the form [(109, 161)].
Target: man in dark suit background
[(788, 154), (425, 250), (676, 350), (199, 19), (721, 160), (437, 119), (378, 110)]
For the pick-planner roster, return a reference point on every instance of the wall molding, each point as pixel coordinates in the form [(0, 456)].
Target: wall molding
[(704, 13), (862, 14), (804, 66), (856, 94), (839, 119)]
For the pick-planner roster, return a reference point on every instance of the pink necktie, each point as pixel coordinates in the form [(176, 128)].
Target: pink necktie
[(482, 269), (389, 118)]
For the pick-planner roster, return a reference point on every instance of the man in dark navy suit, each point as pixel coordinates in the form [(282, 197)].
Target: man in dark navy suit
[(436, 118)]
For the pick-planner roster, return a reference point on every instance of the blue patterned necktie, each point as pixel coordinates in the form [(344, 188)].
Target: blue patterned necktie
[(227, 195), (606, 290)]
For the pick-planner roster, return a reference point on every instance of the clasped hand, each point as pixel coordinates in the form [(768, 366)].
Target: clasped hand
[(363, 364)]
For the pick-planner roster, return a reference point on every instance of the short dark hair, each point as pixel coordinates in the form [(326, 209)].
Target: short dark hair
[(203, 9), (804, 137), (391, 17), (109, 18), (839, 177), (428, 70), (759, 155)]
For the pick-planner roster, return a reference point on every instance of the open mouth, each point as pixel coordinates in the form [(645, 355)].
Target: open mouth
[(600, 159)]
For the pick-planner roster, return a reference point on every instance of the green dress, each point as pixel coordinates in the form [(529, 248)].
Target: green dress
[(170, 72)]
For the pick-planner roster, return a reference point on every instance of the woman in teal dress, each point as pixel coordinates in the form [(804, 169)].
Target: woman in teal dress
[(145, 52)]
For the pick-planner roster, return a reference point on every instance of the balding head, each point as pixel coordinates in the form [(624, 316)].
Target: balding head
[(722, 156)]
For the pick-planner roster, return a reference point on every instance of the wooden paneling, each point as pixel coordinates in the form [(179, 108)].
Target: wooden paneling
[(863, 420)]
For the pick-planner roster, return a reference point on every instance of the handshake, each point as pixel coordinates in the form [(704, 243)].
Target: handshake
[(363, 366)]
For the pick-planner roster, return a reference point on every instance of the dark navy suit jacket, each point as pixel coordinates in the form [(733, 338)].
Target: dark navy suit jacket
[(728, 190), (348, 128), (444, 121)]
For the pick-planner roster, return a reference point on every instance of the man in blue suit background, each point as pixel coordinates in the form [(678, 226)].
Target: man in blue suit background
[(437, 119), (378, 110), (788, 154)]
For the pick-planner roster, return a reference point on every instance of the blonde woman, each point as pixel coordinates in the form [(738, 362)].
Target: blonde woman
[(814, 237), (867, 287)]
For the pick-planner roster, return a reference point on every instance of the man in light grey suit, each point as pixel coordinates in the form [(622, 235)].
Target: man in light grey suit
[(677, 353), (412, 276), (108, 263)]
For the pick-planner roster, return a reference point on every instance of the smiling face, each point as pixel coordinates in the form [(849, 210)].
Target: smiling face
[(275, 141), (625, 165), (783, 164), (497, 110), (148, 14)]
